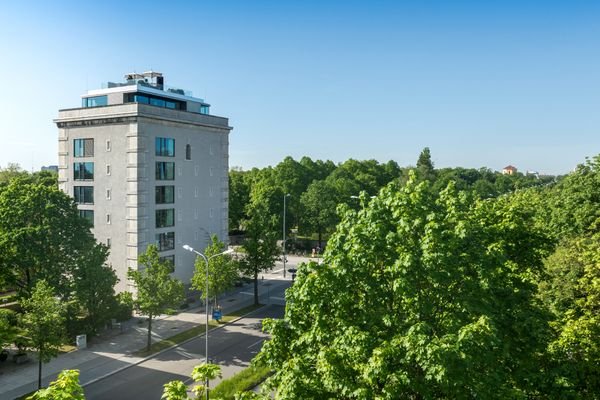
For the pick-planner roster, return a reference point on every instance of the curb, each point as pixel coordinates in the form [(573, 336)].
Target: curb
[(168, 348)]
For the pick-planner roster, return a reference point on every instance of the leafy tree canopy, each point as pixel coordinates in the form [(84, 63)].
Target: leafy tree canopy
[(157, 290), (42, 236), (420, 295), (223, 270)]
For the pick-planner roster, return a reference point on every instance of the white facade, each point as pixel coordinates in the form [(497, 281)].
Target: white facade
[(131, 179)]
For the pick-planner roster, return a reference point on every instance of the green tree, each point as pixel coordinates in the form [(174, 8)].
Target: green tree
[(8, 327), (42, 236), (262, 232), (223, 271), (319, 204), (93, 285), (43, 323), (420, 295), (575, 201), (11, 172), (425, 165), (572, 292), (157, 290), (65, 387), (202, 374), (239, 196)]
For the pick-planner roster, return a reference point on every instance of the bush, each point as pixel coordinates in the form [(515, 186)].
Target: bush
[(240, 382), (124, 307)]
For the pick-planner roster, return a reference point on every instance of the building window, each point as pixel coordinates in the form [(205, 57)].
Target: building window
[(196, 170), (165, 241), (165, 147), (179, 192), (195, 213), (179, 216), (178, 171), (107, 194), (155, 101), (165, 218), (95, 101), (165, 194), (83, 194), (108, 219), (169, 260), (188, 152), (196, 192), (83, 171), (211, 191), (165, 171), (107, 169), (108, 145), (204, 109), (83, 148), (108, 242), (210, 150), (211, 213), (211, 171), (87, 214)]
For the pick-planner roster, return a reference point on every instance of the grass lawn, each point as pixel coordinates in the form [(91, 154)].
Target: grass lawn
[(195, 331)]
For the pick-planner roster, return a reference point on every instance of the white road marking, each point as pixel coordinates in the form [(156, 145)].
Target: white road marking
[(252, 345)]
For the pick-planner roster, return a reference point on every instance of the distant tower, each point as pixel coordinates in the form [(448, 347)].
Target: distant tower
[(146, 164)]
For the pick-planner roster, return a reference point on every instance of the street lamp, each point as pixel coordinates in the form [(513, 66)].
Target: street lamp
[(283, 244), (206, 259)]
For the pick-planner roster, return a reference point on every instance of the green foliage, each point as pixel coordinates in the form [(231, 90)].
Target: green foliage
[(174, 390), (319, 204), (420, 295), (239, 196), (425, 165), (8, 327), (236, 386), (262, 232), (575, 201), (41, 237), (123, 307), (43, 322), (223, 270), (65, 387), (572, 292), (157, 290), (93, 285)]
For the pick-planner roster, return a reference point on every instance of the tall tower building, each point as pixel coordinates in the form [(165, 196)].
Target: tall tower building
[(146, 164)]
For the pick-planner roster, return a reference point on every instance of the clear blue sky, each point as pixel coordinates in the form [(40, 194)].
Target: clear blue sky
[(481, 84)]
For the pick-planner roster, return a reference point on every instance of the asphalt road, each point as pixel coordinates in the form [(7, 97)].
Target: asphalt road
[(232, 347)]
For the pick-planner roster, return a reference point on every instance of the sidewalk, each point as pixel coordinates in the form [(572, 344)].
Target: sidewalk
[(113, 349)]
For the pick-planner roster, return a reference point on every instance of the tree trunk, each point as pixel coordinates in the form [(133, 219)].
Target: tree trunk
[(149, 331), (256, 288), (40, 369)]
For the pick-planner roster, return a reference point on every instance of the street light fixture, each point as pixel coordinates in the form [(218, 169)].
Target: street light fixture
[(206, 259), (283, 244)]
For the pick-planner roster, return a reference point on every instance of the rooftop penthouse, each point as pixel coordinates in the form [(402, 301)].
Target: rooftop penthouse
[(145, 88)]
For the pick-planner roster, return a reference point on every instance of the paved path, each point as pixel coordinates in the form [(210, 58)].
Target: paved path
[(232, 347), (114, 349)]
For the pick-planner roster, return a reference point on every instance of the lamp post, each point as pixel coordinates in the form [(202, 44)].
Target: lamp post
[(283, 244), (206, 259)]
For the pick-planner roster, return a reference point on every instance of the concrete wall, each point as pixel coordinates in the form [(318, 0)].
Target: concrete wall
[(201, 184)]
